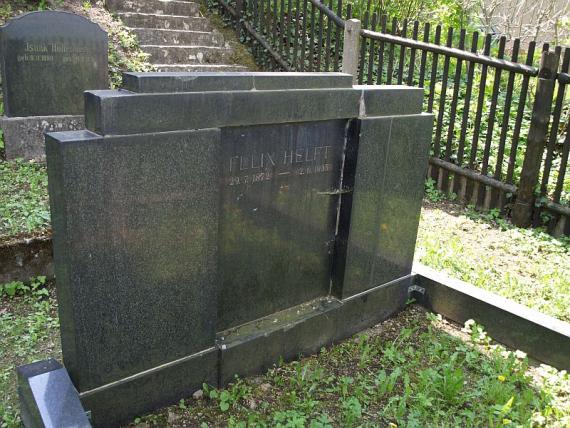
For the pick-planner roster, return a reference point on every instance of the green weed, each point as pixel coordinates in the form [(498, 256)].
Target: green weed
[(24, 206)]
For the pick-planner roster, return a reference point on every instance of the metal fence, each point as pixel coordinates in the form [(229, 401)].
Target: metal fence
[(502, 110)]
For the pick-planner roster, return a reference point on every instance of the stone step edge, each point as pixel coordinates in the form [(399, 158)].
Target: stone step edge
[(160, 15), (173, 30), (185, 47), (200, 65), (177, 1)]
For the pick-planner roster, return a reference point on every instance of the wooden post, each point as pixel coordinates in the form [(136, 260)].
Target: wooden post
[(537, 134), (351, 47)]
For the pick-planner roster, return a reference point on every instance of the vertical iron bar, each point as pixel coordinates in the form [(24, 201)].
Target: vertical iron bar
[(287, 35), (498, 196), (383, 22), (563, 165), (491, 121), (467, 102), (413, 55), (303, 53), (274, 24), (296, 37), (424, 57), (261, 16), (320, 42), (442, 97), (312, 40), (402, 58), (328, 42), (391, 54), (519, 117), (452, 112), (281, 48), (338, 35), (363, 42), (371, 52), (480, 103), (433, 75)]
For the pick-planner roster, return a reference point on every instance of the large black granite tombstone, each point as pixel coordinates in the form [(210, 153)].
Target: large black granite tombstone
[(48, 59), (203, 234)]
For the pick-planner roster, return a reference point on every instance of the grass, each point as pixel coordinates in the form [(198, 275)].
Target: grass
[(525, 265), (412, 370), (24, 205), (29, 331)]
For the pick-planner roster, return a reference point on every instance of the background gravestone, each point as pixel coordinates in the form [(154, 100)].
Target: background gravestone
[(48, 59)]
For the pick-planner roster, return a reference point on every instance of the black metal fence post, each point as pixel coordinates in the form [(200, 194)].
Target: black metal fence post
[(239, 9), (537, 134)]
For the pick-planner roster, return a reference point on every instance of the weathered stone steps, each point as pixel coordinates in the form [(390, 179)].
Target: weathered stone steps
[(152, 36), (175, 36), (164, 54), (158, 7), (166, 22)]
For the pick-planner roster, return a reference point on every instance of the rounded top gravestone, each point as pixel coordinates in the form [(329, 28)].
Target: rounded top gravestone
[(48, 59)]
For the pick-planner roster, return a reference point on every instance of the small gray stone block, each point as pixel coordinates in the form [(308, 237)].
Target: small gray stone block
[(24, 136), (48, 399), (232, 81), (380, 100)]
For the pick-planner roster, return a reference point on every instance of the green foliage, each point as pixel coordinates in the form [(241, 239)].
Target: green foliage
[(35, 288), (455, 13), (416, 375), (227, 397), (24, 206), (125, 54), (436, 195), (28, 332)]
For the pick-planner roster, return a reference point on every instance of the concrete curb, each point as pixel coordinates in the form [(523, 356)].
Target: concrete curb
[(541, 336)]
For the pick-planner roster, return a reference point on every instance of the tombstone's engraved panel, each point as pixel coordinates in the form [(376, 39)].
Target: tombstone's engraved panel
[(278, 217), (48, 60)]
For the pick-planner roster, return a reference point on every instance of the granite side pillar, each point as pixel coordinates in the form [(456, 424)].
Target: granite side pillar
[(135, 244), (386, 201)]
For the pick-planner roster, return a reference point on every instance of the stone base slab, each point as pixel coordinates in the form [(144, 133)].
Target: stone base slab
[(120, 402), (304, 329), (542, 337), (24, 136)]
